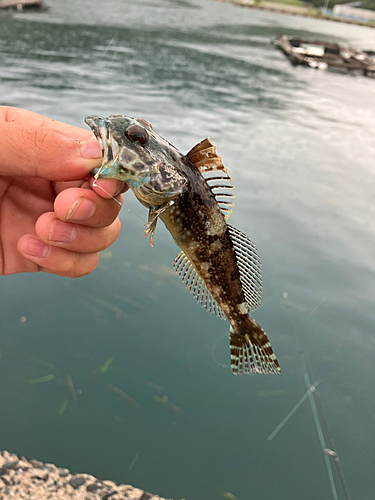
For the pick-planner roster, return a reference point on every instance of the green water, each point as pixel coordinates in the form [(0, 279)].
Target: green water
[(299, 146)]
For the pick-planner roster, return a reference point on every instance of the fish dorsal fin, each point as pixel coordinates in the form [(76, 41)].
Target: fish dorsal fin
[(249, 267), (195, 285), (221, 187), (204, 157)]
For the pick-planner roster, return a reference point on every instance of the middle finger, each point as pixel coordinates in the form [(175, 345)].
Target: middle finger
[(85, 207)]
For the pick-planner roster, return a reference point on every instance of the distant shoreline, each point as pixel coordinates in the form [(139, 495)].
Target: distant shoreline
[(292, 10)]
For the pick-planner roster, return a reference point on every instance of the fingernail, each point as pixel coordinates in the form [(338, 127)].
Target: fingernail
[(91, 149), (36, 248), (82, 209), (62, 232)]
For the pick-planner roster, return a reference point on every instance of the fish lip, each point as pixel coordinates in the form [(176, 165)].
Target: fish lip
[(108, 168), (98, 126)]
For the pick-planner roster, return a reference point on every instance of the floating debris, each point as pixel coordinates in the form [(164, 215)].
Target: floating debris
[(165, 403), (325, 358), (101, 370), (229, 496), (42, 363), (120, 395), (23, 320), (127, 300), (160, 271), (153, 387), (106, 255), (119, 313), (69, 384), (63, 406), (194, 368), (277, 393), (41, 380)]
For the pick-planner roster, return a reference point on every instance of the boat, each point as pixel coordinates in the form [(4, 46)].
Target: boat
[(20, 4), (324, 55)]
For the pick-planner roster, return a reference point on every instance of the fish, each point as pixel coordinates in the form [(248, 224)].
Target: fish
[(193, 196)]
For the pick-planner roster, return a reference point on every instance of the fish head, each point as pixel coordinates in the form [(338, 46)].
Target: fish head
[(134, 153)]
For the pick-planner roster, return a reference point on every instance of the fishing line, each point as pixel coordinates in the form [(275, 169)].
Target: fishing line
[(106, 192), (106, 50), (213, 348), (134, 460), (325, 436), (292, 411)]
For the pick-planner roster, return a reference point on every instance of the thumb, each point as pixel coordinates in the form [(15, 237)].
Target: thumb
[(45, 152)]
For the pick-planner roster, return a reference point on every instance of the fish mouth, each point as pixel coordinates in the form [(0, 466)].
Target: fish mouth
[(114, 157)]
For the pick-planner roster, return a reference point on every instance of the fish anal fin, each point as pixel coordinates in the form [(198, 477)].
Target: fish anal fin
[(204, 157), (252, 352), (195, 285)]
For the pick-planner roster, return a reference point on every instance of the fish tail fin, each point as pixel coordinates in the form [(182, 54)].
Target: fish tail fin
[(251, 351)]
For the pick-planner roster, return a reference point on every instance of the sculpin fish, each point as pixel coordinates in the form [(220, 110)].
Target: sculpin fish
[(192, 195)]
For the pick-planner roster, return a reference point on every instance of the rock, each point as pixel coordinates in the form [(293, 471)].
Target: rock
[(6, 481), (107, 495), (49, 467), (6, 491), (2, 471), (24, 464), (146, 496), (93, 487), (110, 484), (36, 463), (63, 472), (13, 464), (76, 482)]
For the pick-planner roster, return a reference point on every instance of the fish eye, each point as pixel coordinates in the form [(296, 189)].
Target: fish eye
[(135, 133)]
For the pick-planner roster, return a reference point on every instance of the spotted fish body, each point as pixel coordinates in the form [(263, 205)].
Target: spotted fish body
[(192, 195)]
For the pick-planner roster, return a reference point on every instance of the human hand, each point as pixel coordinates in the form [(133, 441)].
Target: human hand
[(52, 218)]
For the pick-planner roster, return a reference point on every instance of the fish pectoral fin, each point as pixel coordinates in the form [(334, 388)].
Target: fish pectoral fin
[(204, 157), (249, 267), (153, 215), (151, 225), (252, 352)]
